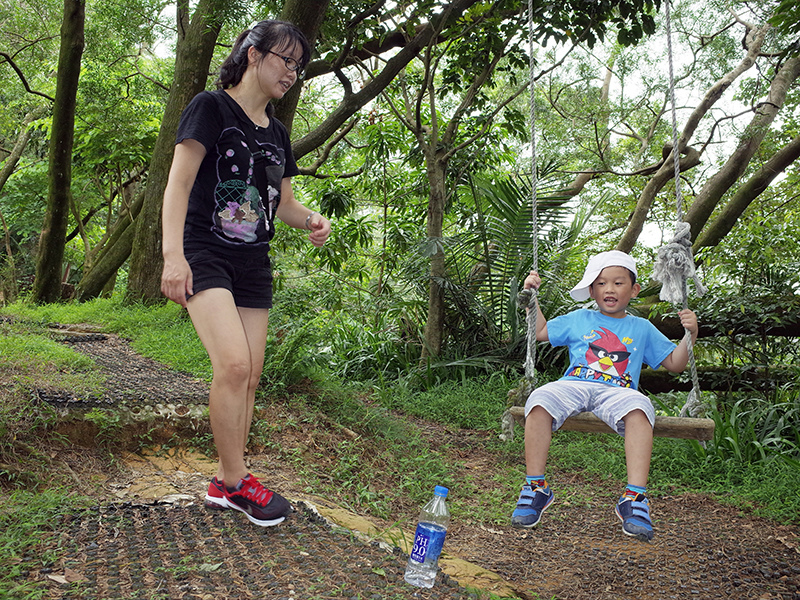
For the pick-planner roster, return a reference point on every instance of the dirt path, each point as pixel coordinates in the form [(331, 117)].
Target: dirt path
[(151, 531)]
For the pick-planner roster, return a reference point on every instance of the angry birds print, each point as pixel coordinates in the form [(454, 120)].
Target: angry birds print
[(607, 354)]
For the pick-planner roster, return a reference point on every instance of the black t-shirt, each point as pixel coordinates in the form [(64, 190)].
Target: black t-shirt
[(238, 187)]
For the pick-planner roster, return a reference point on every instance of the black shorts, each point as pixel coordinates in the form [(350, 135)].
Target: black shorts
[(248, 279)]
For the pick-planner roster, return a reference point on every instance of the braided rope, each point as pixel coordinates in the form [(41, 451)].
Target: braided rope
[(675, 265), (530, 361), (527, 298)]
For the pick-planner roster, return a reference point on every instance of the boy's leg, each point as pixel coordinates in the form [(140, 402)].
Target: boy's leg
[(638, 447), (536, 495), (633, 508), (538, 435), (546, 410)]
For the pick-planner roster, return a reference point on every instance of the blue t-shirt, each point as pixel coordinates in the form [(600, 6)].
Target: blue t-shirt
[(238, 188), (606, 349)]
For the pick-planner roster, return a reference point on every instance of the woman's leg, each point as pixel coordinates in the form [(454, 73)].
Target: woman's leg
[(235, 345), (254, 321)]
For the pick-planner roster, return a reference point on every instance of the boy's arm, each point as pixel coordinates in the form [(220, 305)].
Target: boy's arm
[(678, 358), (534, 281)]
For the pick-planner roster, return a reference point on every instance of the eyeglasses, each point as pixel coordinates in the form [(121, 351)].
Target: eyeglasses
[(291, 64)]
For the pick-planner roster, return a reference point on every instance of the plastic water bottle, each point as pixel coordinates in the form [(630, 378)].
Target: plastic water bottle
[(423, 562)]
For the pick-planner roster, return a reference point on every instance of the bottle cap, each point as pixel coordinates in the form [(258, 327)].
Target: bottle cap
[(441, 491)]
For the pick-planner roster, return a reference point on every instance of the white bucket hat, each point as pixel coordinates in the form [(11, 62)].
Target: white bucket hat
[(612, 258)]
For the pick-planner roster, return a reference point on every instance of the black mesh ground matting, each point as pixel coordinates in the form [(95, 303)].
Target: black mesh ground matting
[(170, 552), (131, 378)]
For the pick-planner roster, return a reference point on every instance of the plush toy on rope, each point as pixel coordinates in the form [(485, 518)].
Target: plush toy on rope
[(675, 266)]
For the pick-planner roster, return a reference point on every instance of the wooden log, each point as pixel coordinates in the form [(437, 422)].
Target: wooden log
[(685, 428)]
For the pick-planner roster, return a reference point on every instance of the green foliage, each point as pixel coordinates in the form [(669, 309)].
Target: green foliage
[(787, 18), (362, 351), (27, 519), (756, 430), (589, 20), (471, 403)]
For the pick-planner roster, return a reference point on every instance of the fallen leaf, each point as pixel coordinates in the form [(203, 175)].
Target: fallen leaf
[(73, 576)]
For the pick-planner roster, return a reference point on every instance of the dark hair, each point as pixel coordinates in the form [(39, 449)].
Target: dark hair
[(264, 36)]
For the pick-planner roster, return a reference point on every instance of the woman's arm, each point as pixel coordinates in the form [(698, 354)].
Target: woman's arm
[(294, 214), (176, 277)]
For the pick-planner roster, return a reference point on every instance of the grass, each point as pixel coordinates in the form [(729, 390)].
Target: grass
[(163, 332), (386, 467), (26, 522), (752, 462), (26, 355)]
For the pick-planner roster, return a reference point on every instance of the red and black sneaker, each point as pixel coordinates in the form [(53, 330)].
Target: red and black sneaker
[(215, 497), (262, 506)]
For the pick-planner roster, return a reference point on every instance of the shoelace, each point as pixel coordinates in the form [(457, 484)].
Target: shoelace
[(256, 492)]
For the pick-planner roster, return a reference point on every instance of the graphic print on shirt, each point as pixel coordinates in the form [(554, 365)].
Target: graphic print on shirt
[(240, 211), (606, 359)]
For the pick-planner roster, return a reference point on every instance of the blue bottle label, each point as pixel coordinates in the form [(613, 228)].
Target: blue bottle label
[(428, 542)]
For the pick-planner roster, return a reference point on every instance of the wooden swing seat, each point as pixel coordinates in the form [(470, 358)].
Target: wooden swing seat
[(684, 428)]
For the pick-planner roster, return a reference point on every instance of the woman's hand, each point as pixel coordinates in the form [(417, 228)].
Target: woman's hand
[(176, 280), (320, 229)]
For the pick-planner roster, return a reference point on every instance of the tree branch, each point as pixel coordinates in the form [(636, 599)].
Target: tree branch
[(21, 76)]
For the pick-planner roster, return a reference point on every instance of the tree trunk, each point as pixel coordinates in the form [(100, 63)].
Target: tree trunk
[(47, 286), (193, 55), (716, 379), (434, 325), (744, 196), (113, 256), (709, 196), (19, 146), (653, 186), (753, 42), (786, 323), (308, 15)]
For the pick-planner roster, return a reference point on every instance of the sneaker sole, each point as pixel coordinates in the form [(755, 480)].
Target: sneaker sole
[(215, 503), (252, 519)]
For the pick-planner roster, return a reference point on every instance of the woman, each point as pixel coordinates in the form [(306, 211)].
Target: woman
[(230, 177)]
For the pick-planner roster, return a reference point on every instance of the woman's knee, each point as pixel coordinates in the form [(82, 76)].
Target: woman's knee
[(233, 371)]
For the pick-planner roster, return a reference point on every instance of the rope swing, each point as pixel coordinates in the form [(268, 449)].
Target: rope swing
[(674, 264), (527, 298), (673, 268)]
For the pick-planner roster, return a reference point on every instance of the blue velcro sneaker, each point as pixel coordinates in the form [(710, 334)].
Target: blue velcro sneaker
[(635, 516), (530, 506)]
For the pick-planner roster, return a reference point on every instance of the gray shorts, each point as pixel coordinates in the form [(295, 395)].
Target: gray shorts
[(564, 399)]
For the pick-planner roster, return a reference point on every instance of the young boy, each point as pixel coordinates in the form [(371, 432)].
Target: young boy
[(607, 348)]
